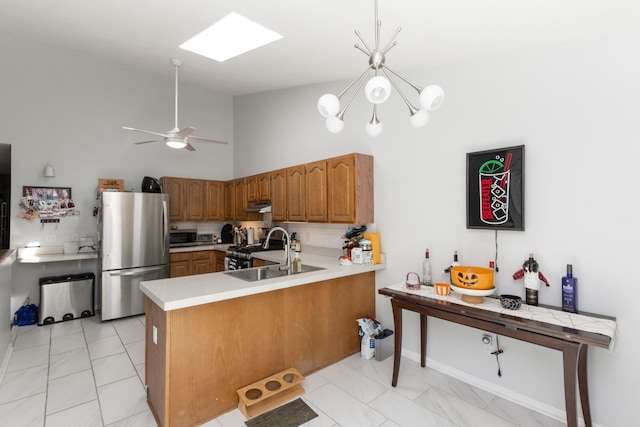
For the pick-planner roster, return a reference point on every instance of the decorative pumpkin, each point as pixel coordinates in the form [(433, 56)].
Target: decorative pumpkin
[(471, 277)]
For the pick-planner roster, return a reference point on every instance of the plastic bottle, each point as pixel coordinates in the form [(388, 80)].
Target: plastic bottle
[(297, 262), (569, 291), (427, 278)]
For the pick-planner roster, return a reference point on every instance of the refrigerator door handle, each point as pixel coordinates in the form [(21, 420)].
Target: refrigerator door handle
[(137, 271), (165, 223)]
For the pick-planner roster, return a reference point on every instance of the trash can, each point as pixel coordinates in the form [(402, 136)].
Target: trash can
[(384, 345), (66, 297)]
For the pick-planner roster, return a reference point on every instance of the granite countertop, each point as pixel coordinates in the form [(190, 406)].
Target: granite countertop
[(188, 291)]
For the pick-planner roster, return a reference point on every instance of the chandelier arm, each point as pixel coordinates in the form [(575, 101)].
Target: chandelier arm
[(376, 26), (412, 109), (416, 87), (357, 46), (389, 45), (363, 42), (362, 78), (365, 72)]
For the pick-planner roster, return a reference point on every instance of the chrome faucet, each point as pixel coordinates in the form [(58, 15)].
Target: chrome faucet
[(287, 251)]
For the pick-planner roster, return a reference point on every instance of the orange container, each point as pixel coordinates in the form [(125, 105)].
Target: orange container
[(442, 288), (374, 238), (470, 277)]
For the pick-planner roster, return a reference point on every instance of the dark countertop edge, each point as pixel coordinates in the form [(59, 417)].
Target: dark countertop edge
[(6, 253)]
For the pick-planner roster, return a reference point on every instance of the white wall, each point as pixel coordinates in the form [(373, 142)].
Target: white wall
[(67, 109), (575, 110)]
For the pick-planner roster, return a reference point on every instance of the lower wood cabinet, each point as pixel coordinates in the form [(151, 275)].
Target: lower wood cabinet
[(204, 353), (190, 263)]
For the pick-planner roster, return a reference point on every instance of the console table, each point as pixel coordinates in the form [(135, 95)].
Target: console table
[(572, 342)]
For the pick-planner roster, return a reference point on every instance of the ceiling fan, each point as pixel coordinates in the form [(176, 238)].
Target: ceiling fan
[(176, 137)]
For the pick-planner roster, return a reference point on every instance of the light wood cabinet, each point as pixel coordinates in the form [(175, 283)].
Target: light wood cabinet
[(252, 188), (174, 187), (219, 260), (279, 195), (350, 189), (190, 263), (229, 200), (241, 201), (214, 201), (295, 193), (229, 352), (316, 191), (259, 187), (195, 199)]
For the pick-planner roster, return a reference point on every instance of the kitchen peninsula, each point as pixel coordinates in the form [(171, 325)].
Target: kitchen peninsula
[(208, 335)]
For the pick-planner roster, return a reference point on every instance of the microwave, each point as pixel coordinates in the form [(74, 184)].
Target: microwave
[(178, 238)]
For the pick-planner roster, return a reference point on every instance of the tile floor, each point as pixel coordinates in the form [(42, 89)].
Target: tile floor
[(86, 373)]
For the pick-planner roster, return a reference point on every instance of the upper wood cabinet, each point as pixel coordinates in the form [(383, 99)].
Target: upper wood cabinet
[(316, 191), (279, 195), (174, 187), (195, 199), (241, 200), (214, 201), (259, 187), (229, 200), (296, 194), (350, 189)]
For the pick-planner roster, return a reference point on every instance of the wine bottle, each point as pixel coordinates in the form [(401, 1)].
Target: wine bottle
[(427, 279), (569, 291), (455, 262), (531, 293)]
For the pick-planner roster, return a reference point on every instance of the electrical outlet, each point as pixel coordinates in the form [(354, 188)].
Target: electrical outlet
[(487, 341), (51, 238)]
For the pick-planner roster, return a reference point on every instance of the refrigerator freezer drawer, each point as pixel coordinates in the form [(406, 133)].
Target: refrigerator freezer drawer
[(66, 298), (120, 290)]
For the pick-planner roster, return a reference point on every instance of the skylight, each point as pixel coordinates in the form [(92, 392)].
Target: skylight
[(231, 36)]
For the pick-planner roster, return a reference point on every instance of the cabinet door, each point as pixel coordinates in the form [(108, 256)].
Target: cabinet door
[(295, 194), (240, 189), (229, 200), (214, 201), (252, 188), (179, 269), (220, 255), (174, 187), (316, 191), (350, 189), (278, 195), (264, 187), (202, 266), (195, 191)]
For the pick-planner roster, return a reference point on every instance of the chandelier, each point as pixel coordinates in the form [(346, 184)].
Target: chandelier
[(378, 89)]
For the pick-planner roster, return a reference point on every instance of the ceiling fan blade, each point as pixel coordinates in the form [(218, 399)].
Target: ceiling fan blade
[(144, 131), (146, 142), (184, 132), (189, 147), (195, 138)]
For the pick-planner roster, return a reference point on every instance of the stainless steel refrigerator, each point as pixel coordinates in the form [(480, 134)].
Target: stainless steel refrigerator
[(133, 233)]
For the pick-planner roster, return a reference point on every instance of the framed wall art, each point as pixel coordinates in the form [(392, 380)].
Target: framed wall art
[(495, 189)]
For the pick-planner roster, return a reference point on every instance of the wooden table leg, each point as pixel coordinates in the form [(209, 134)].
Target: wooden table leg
[(570, 364), (423, 340), (583, 385), (397, 350)]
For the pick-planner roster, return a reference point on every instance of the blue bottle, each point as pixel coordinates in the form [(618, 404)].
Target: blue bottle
[(569, 291)]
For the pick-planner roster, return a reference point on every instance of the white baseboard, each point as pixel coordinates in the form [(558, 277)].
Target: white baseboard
[(503, 392)]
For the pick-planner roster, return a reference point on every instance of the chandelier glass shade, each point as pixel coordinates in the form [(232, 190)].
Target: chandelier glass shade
[(378, 89)]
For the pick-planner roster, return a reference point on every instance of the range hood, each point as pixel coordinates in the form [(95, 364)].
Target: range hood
[(260, 207)]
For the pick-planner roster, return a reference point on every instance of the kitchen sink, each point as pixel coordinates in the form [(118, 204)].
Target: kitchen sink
[(267, 272)]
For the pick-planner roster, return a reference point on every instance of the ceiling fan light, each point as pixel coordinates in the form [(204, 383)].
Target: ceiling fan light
[(328, 105), (175, 143), (431, 97), (419, 119), (377, 89), (334, 124)]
